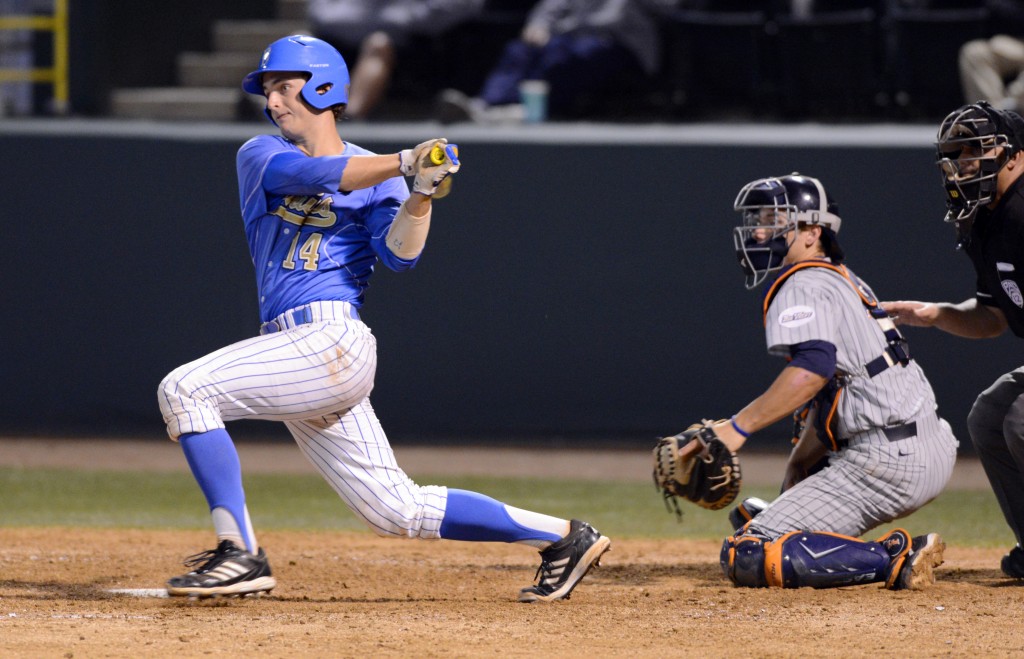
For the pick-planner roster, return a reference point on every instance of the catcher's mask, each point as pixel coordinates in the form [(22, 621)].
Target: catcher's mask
[(772, 208), (327, 84), (973, 144)]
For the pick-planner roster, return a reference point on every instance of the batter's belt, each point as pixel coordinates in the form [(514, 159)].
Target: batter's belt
[(310, 313)]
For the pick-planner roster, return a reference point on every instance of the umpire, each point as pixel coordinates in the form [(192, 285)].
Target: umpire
[(980, 156)]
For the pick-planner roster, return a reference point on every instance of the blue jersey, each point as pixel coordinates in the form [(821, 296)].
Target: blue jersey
[(308, 241)]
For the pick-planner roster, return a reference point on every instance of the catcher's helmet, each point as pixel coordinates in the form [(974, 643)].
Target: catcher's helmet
[(322, 61), (967, 155), (772, 208)]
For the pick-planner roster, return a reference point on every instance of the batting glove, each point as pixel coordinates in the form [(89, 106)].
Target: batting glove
[(407, 158), (430, 175)]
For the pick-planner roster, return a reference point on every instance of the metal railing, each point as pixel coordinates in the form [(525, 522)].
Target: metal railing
[(56, 74)]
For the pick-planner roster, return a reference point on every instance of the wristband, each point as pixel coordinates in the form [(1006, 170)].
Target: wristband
[(406, 165), (737, 428)]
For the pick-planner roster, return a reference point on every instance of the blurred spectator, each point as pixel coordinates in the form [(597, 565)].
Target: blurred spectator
[(380, 30), (993, 69), (579, 47)]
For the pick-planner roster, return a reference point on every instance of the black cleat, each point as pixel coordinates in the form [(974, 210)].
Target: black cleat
[(1013, 563), (566, 562), (226, 570)]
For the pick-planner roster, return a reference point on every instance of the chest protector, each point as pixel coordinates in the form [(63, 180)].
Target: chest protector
[(826, 401)]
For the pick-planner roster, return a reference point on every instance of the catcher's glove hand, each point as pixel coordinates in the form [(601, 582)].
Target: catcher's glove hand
[(697, 466)]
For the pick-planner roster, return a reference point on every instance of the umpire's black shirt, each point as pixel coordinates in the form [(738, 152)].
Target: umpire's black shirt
[(996, 248)]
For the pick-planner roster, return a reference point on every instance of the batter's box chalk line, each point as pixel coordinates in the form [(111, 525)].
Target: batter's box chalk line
[(140, 592)]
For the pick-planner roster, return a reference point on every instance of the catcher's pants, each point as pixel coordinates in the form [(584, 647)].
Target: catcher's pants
[(869, 482), (996, 424), (316, 378)]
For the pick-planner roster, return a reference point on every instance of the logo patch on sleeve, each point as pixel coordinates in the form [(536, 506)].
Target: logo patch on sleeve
[(796, 316), (1011, 289)]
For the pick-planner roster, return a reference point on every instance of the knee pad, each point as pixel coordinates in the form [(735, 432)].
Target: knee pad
[(802, 559), (742, 560)]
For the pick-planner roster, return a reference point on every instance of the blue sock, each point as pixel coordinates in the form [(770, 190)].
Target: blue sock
[(472, 516), (215, 465)]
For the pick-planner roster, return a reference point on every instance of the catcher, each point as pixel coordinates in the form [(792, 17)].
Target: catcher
[(869, 446)]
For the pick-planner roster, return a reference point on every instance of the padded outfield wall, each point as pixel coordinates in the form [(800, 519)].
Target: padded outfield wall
[(579, 285)]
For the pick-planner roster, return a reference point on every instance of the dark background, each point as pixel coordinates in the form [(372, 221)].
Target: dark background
[(853, 60), (125, 43), (570, 293)]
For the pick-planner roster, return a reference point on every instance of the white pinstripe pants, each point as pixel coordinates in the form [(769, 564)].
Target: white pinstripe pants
[(870, 482), (316, 378)]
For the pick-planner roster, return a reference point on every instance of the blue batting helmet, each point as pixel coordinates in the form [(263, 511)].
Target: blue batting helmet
[(305, 54)]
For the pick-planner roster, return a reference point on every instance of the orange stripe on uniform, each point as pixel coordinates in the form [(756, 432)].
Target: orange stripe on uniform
[(839, 269), (773, 560)]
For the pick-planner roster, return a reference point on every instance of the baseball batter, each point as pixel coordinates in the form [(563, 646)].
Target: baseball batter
[(981, 159), (871, 448), (319, 213)]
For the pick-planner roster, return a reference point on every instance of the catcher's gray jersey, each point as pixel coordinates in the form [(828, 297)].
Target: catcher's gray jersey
[(819, 304), (895, 453)]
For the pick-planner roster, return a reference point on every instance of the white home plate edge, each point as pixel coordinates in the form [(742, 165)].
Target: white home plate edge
[(140, 592)]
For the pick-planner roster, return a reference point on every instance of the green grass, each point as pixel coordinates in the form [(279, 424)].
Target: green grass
[(51, 497)]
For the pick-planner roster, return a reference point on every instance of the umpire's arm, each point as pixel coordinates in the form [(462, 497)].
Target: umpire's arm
[(968, 319)]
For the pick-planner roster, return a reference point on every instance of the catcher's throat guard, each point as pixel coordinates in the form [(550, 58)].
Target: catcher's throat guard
[(697, 466)]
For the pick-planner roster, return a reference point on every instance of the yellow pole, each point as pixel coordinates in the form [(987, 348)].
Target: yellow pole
[(61, 103), (56, 75), (26, 23)]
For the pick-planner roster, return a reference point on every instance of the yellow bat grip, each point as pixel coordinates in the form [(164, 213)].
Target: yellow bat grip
[(437, 154)]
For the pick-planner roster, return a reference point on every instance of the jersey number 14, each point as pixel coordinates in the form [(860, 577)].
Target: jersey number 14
[(309, 253)]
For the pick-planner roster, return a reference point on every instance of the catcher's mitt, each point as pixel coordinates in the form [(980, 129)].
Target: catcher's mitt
[(697, 466)]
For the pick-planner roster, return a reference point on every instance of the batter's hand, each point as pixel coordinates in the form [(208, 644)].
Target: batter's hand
[(915, 314), (430, 176), (407, 158)]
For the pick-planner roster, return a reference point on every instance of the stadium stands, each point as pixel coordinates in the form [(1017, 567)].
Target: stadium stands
[(846, 60)]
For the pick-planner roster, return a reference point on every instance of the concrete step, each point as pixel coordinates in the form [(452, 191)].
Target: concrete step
[(215, 69), (293, 10), (180, 103), (251, 37)]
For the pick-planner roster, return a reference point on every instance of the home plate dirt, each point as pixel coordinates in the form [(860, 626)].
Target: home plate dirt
[(75, 592)]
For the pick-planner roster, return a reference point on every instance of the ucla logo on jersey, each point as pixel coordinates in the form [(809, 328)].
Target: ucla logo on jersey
[(796, 316), (1013, 292), (307, 211)]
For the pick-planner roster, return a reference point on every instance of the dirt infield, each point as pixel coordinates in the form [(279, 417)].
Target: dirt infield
[(352, 594)]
